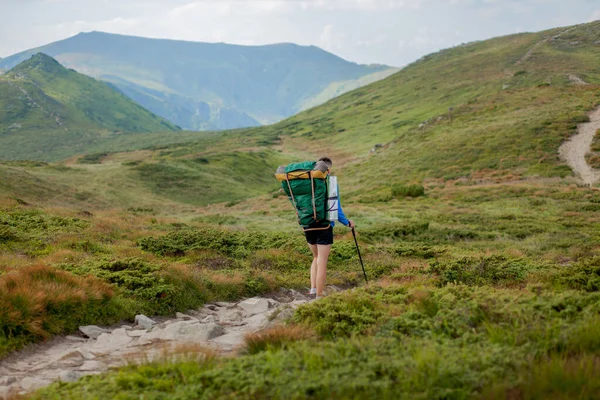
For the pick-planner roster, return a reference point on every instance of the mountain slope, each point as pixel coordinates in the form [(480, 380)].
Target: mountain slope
[(512, 102), (191, 83), (48, 112), (497, 109)]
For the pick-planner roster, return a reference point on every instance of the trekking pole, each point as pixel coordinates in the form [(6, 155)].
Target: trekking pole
[(359, 256)]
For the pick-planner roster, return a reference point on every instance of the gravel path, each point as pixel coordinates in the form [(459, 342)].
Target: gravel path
[(573, 151), (219, 327)]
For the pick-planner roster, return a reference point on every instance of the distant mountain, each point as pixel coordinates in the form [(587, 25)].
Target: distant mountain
[(49, 112), (207, 85)]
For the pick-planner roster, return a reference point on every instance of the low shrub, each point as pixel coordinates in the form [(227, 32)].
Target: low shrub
[(496, 269), (147, 283), (583, 275), (417, 250), (341, 315), (30, 231), (552, 377), (392, 231), (95, 158), (413, 190), (231, 243)]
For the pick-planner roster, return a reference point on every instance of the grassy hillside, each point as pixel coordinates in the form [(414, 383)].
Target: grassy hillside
[(511, 109), (485, 278), (205, 85), (49, 112)]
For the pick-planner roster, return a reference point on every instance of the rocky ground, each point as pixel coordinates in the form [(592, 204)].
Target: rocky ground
[(218, 326)]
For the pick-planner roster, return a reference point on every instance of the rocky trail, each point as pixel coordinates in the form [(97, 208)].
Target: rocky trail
[(218, 326), (573, 151)]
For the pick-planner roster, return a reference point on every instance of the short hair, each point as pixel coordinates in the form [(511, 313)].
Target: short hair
[(326, 160)]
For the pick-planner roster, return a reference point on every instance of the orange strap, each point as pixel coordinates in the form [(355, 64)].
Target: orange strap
[(317, 229), (312, 187)]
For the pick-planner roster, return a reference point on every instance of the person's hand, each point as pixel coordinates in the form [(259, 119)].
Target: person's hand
[(351, 224)]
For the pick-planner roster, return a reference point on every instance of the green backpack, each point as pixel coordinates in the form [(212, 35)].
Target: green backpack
[(305, 184)]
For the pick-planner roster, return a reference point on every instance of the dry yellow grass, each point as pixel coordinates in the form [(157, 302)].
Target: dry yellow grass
[(33, 298), (277, 337)]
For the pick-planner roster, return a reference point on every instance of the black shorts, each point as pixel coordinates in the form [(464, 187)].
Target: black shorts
[(321, 236)]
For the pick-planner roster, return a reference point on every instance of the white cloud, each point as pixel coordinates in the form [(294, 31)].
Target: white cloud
[(422, 40), (331, 39), (595, 16)]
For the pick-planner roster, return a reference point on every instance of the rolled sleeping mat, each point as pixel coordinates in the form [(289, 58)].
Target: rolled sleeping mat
[(333, 199), (318, 172)]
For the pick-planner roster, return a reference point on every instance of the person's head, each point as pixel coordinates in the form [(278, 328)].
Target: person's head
[(327, 161)]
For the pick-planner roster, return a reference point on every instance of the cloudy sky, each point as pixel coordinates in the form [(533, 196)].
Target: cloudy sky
[(393, 32)]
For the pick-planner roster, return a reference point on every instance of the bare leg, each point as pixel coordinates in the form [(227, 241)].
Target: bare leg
[(322, 257), (313, 267)]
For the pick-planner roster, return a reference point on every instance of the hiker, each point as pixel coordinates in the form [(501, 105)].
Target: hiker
[(306, 184), (319, 242)]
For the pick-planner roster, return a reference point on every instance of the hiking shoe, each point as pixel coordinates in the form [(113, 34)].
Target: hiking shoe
[(311, 296)]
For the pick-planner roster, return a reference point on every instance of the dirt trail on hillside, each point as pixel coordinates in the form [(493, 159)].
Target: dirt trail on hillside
[(573, 151), (219, 327)]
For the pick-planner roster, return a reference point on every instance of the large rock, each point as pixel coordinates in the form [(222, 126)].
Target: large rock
[(253, 306), (108, 343), (297, 295), (144, 321), (192, 331), (225, 304), (69, 376), (256, 322), (230, 317), (93, 366), (31, 384), (231, 340), (184, 317), (210, 319), (77, 338), (86, 354), (119, 332), (7, 380), (280, 316), (92, 331), (137, 333)]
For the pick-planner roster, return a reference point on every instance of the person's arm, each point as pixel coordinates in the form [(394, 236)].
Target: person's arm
[(341, 216)]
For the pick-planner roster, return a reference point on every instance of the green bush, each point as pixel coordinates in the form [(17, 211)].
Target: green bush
[(7, 234), (30, 231), (95, 158), (342, 315), (495, 269), (413, 190), (583, 275), (231, 243), (146, 283), (395, 230), (417, 250)]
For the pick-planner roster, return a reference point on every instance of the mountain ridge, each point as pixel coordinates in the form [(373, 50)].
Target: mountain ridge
[(63, 110), (189, 83)]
